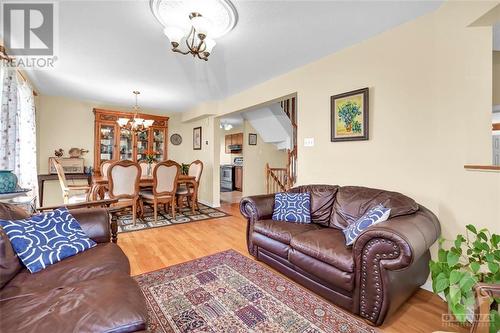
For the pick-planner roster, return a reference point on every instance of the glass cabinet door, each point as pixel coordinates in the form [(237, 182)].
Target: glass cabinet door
[(158, 144), (106, 142), (142, 145), (126, 144)]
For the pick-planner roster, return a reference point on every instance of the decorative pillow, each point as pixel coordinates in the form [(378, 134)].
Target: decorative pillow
[(45, 239), (373, 216), (292, 207)]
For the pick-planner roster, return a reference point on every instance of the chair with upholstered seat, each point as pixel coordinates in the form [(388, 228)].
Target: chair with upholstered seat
[(123, 184), (165, 175), (71, 193), (189, 190)]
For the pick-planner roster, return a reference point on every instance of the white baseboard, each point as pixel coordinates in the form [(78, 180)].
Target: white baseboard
[(209, 204), (427, 286)]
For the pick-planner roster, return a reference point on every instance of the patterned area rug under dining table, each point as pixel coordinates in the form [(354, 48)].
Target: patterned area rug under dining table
[(182, 215), (228, 292)]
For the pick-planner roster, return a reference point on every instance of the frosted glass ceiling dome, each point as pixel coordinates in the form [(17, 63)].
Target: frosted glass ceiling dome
[(175, 13)]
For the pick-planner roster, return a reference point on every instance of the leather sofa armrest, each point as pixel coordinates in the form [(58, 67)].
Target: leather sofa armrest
[(94, 222), (257, 207), (391, 258)]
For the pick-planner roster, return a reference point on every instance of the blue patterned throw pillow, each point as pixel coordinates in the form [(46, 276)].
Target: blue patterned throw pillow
[(45, 239), (292, 207), (373, 216)]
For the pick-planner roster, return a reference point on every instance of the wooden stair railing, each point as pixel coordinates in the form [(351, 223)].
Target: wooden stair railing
[(289, 106), (276, 179)]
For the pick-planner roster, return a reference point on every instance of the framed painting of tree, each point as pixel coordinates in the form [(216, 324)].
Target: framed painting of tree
[(349, 116)]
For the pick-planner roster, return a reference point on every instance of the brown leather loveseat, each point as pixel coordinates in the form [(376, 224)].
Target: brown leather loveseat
[(372, 278), (89, 292)]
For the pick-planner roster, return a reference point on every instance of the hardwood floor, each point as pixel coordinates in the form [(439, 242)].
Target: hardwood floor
[(153, 249)]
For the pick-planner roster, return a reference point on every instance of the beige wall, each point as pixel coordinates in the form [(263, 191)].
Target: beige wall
[(228, 158), (255, 159), (496, 77), (184, 152), (430, 113)]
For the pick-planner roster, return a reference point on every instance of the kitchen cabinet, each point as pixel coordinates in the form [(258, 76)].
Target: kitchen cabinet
[(112, 143), (238, 178), (233, 139)]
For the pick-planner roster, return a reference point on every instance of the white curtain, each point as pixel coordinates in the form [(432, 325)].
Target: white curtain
[(18, 129)]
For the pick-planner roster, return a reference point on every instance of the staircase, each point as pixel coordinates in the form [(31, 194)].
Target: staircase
[(282, 179)]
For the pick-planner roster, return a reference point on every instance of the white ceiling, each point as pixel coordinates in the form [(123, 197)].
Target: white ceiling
[(109, 48)]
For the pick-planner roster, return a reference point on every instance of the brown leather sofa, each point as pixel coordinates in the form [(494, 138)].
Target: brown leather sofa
[(89, 292), (372, 278)]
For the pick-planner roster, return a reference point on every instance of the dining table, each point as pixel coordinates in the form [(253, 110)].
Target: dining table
[(100, 183)]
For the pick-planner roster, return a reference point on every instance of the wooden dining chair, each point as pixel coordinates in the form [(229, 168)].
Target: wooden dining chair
[(189, 190), (104, 168), (71, 193), (165, 176), (123, 184)]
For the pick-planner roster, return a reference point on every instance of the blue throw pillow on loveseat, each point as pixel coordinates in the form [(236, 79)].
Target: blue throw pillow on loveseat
[(373, 216), (292, 207), (45, 239)]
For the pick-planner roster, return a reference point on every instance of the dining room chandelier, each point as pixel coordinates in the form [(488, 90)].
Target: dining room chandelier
[(192, 26), (136, 124)]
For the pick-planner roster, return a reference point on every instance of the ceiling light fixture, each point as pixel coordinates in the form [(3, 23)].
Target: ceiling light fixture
[(136, 124), (226, 126), (192, 26)]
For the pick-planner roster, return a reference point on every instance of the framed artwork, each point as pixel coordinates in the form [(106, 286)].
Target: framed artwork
[(349, 116), (197, 138), (252, 139)]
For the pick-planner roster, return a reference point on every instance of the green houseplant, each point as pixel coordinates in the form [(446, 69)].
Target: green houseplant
[(472, 259), (184, 169)]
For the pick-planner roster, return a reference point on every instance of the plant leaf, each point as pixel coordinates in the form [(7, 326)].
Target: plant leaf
[(442, 284), (471, 228), (455, 276), (482, 235), (467, 282), (459, 312), (493, 267), (475, 266), (452, 259), (442, 255), (455, 294)]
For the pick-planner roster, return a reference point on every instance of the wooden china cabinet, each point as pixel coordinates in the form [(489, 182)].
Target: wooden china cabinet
[(112, 143)]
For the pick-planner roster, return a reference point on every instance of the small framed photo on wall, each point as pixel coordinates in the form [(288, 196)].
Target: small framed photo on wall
[(197, 138), (349, 116), (252, 139)]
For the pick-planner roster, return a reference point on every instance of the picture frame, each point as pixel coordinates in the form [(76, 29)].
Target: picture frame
[(197, 138), (252, 139), (349, 116)]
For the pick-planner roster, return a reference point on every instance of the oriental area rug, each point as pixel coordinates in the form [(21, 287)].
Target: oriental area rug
[(228, 292), (182, 215)]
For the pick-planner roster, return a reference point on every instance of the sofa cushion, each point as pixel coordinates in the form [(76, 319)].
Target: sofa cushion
[(330, 274), (101, 260), (106, 303), (352, 202), (282, 231), (322, 198), (327, 245), (9, 261), (292, 207), (45, 239)]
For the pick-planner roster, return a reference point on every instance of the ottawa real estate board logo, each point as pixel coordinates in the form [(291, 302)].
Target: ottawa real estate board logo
[(29, 33)]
